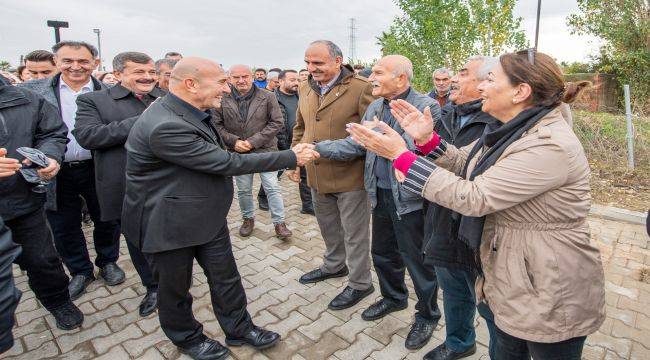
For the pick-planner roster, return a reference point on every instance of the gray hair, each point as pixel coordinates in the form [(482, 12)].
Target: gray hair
[(120, 60), (333, 49), (443, 70), (402, 65), (168, 62), (487, 62), (76, 45)]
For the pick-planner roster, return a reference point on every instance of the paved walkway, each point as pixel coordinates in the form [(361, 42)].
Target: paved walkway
[(270, 268)]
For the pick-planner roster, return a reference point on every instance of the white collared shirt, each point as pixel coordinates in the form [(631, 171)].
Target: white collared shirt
[(325, 88), (74, 151)]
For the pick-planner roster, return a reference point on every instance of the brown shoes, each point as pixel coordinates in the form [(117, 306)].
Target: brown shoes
[(247, 227), (282, 231)]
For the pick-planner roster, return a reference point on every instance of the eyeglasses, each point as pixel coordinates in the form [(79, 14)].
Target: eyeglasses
[(531, 54)]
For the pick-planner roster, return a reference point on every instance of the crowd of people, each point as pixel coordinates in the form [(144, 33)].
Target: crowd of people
[(480, 188)]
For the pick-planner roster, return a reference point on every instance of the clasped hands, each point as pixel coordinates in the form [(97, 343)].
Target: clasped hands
[(305, 153), (9, 166)]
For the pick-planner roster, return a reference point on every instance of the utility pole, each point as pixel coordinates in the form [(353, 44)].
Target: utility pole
[(539, 8), (57, 25), (99, 47), (353, 40)]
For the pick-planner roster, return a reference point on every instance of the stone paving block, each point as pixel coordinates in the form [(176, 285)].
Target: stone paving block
[(35, 340), (264, 318), (292, 322), (136, 347), (290, 276), (46, 350), (352, 327), (622, 330), (27, 316), (67, 342), (117, 352), (264, 270), (152, 354), (324, 348), (622, 347), (110, 312), (34, 326), (394, 350), (15, 350), (593, 352), (315, 329), (630, 293), (385, 329), (83, 351), (361, 348), (262, 303), (151, 323), (27, 305), (258, 290), (103, 344), (288, 346), (118, 323), (104, 302), (283, 309), (283, 292)]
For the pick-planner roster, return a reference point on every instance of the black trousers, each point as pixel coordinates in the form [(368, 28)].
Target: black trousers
[(397, 246), (69, 239), (512, 348), (142, 264), (45, 272), (173, 269), (305, 191)]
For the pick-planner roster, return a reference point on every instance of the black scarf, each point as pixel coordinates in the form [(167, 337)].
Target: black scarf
[(243, 101), (496, 138), (465, 109)]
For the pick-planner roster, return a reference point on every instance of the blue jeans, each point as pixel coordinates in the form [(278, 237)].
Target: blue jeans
[(488, 316), (459, 301), (273, 193)]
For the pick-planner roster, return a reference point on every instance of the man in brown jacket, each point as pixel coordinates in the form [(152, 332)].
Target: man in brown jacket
[(248, 120), (332, 97)]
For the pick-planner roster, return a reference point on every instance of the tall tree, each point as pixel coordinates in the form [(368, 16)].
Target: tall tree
[(436, 33), (624, 25)]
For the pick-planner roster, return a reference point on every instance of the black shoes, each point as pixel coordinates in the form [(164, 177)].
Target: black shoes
[(258, 338), (149, 303), (317, 275), (442, 353), (380, 309), (349, 297), (420, 334), (207, 349), (112, 274), (78, 285), (307, 211), (68, 316)]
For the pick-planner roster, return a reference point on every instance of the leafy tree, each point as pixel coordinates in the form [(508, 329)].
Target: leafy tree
[(577, 67), (4, 65), (624, 25), (435, 33)]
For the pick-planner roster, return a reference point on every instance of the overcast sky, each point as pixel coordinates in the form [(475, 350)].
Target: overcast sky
[(271, 33)]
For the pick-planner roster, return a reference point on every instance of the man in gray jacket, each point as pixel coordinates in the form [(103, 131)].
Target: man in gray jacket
[(397, 215)]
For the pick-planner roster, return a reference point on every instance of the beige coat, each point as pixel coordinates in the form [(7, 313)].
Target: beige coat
[(543, 276), (324, 118)]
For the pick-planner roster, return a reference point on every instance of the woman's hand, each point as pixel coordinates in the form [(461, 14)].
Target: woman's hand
[(386, 143), (418, 125)]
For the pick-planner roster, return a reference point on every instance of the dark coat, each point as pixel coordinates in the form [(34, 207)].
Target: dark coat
[(27, 119), (178, 178), (104, 119), (440, 242), (9, 295), (260, 127), (286, 134), (49, 89)]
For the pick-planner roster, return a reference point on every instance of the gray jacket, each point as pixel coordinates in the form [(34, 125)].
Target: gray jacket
[(346, 150), (49, 89)]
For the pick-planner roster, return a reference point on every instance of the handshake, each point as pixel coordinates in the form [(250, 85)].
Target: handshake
[(305, 153)]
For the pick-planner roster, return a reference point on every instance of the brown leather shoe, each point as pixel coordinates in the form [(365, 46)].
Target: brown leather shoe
[(282, 231), (247, 227)]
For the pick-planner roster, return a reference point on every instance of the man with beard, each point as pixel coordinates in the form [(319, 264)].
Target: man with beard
[(104, 119), (397, 214), (40, 64), (260, 78), (76, 61), (460, 125), (248, 121), (287, 95)]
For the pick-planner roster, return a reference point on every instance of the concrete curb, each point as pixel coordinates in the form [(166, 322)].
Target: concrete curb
[(616, 214)]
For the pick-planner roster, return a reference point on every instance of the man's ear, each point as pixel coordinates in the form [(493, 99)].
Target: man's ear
[(118, 75), (96, 64)]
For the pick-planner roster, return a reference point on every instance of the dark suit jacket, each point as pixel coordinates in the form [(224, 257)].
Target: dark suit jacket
[(104, 119), (178, 178), (260, 127), (49, 89)]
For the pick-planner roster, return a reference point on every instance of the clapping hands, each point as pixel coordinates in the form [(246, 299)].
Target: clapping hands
[(305, 153), (415, 123)]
